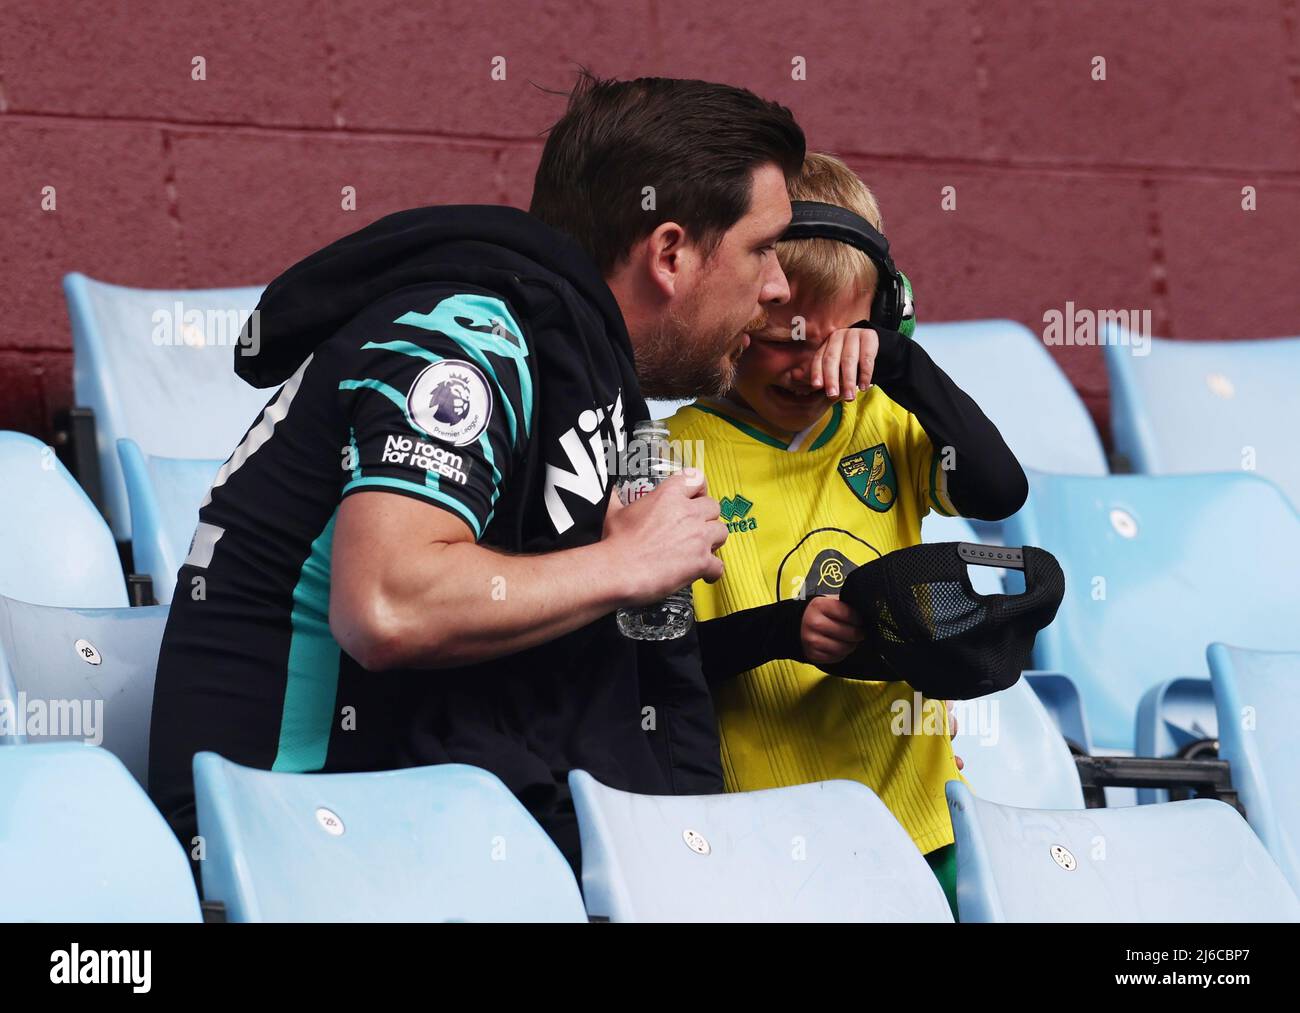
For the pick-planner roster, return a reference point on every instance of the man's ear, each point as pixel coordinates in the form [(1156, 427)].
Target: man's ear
[(668, 258)]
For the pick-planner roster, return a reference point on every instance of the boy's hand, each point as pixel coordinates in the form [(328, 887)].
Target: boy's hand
[(844, 363), (830, 630), (952, 732)]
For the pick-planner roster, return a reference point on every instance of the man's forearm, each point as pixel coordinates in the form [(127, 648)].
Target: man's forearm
[(465, 603)]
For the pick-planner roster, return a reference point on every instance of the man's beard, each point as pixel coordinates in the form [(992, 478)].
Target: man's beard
[(676, 361)]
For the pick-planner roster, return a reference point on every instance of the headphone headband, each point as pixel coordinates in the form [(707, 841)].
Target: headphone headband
[(892, 304)]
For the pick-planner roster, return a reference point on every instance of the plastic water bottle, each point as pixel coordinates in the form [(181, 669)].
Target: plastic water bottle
[(651, 461)]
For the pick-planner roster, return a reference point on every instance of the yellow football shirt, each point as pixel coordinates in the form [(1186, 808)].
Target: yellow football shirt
[(801, 513)]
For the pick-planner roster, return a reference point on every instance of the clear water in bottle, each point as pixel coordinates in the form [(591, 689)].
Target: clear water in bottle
[(651, 461)]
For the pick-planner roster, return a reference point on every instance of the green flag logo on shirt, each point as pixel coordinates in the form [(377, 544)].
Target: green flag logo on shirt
[(870, 474)]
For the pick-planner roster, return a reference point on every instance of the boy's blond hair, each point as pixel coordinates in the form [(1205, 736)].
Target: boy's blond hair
[(825, 267)]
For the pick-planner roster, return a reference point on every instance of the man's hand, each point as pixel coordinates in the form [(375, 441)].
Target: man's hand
[(830, 631), (844, 363), (666, 540)]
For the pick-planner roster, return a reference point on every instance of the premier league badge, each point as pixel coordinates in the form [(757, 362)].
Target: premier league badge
[(451, 400)]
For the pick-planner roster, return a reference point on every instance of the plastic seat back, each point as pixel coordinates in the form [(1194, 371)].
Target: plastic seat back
[(1180, 861), (1198, 406), (441, 843), (81, 842), (1014, 752), (1008, 372), (828, 851), (158, 367), (55, 548), (165, 494), (83, 675), (1257, 694), (1156, 568)]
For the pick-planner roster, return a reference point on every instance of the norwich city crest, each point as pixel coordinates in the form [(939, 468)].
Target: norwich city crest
[(870, 474)]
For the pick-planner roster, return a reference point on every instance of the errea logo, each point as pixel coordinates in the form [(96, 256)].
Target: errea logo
[(735, 511)]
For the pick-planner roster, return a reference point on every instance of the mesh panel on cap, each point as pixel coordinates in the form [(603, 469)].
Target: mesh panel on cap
[(935, 631)]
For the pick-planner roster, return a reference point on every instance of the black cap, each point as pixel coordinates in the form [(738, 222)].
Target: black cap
[(927, 626)]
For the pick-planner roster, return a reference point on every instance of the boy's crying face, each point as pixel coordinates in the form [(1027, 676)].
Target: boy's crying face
[(774, 376)]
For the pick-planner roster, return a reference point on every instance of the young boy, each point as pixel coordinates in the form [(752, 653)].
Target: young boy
[(832, 446)]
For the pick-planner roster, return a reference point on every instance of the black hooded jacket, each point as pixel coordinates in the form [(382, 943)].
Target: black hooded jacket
[(473, 358)]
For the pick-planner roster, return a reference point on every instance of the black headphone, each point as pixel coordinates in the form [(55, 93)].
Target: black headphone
[(892, 306)]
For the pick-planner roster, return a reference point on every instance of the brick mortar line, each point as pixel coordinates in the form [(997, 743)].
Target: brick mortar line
[(1289, 31), (981, 75), (1112, 170), (332, 74), (172, 192), (305, 130), (1163, 321)]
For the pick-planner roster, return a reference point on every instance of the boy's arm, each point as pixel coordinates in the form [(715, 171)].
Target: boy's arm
[(735, 643), (987, 482), (820, 630)]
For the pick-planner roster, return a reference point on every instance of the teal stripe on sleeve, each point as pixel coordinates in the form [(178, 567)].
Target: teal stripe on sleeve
[(313, 667), (397, 399), (409, 348), (429, 491), (489, 316)]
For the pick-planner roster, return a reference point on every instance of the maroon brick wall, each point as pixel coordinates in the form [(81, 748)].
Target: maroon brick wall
[(1122, 193)]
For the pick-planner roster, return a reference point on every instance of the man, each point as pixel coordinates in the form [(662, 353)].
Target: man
[(415, 553)]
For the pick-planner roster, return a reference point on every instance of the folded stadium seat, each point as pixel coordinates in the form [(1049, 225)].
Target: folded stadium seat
[(165, 494), (81, 842), (83, 674), (1004, 367), (1155, 569), (1014, 752), (1190, 861), (829, 851), (1197, 406), (1257, 694), (1175, 718), (1060, 697), (158, 367), (55, 548), (440, 843)]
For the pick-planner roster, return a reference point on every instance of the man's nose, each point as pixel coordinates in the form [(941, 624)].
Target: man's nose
[(776, 289)]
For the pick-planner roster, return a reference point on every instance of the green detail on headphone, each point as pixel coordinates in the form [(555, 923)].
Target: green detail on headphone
[(908, 326)]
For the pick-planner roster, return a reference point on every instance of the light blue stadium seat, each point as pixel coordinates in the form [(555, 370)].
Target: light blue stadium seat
[(1257, 694), (1173, 716), (1195, 406), (159, 375), (165, 494), (828, 851), (441, 843), (1191, 861), (1182, 560), (663, 409), (1014, 752), (81, 842), (88, 673), (1009, 373), (935, 527), (55, 548), (1060, 698)]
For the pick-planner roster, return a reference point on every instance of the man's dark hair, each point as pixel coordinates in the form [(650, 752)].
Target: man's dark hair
[(697, 143)]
